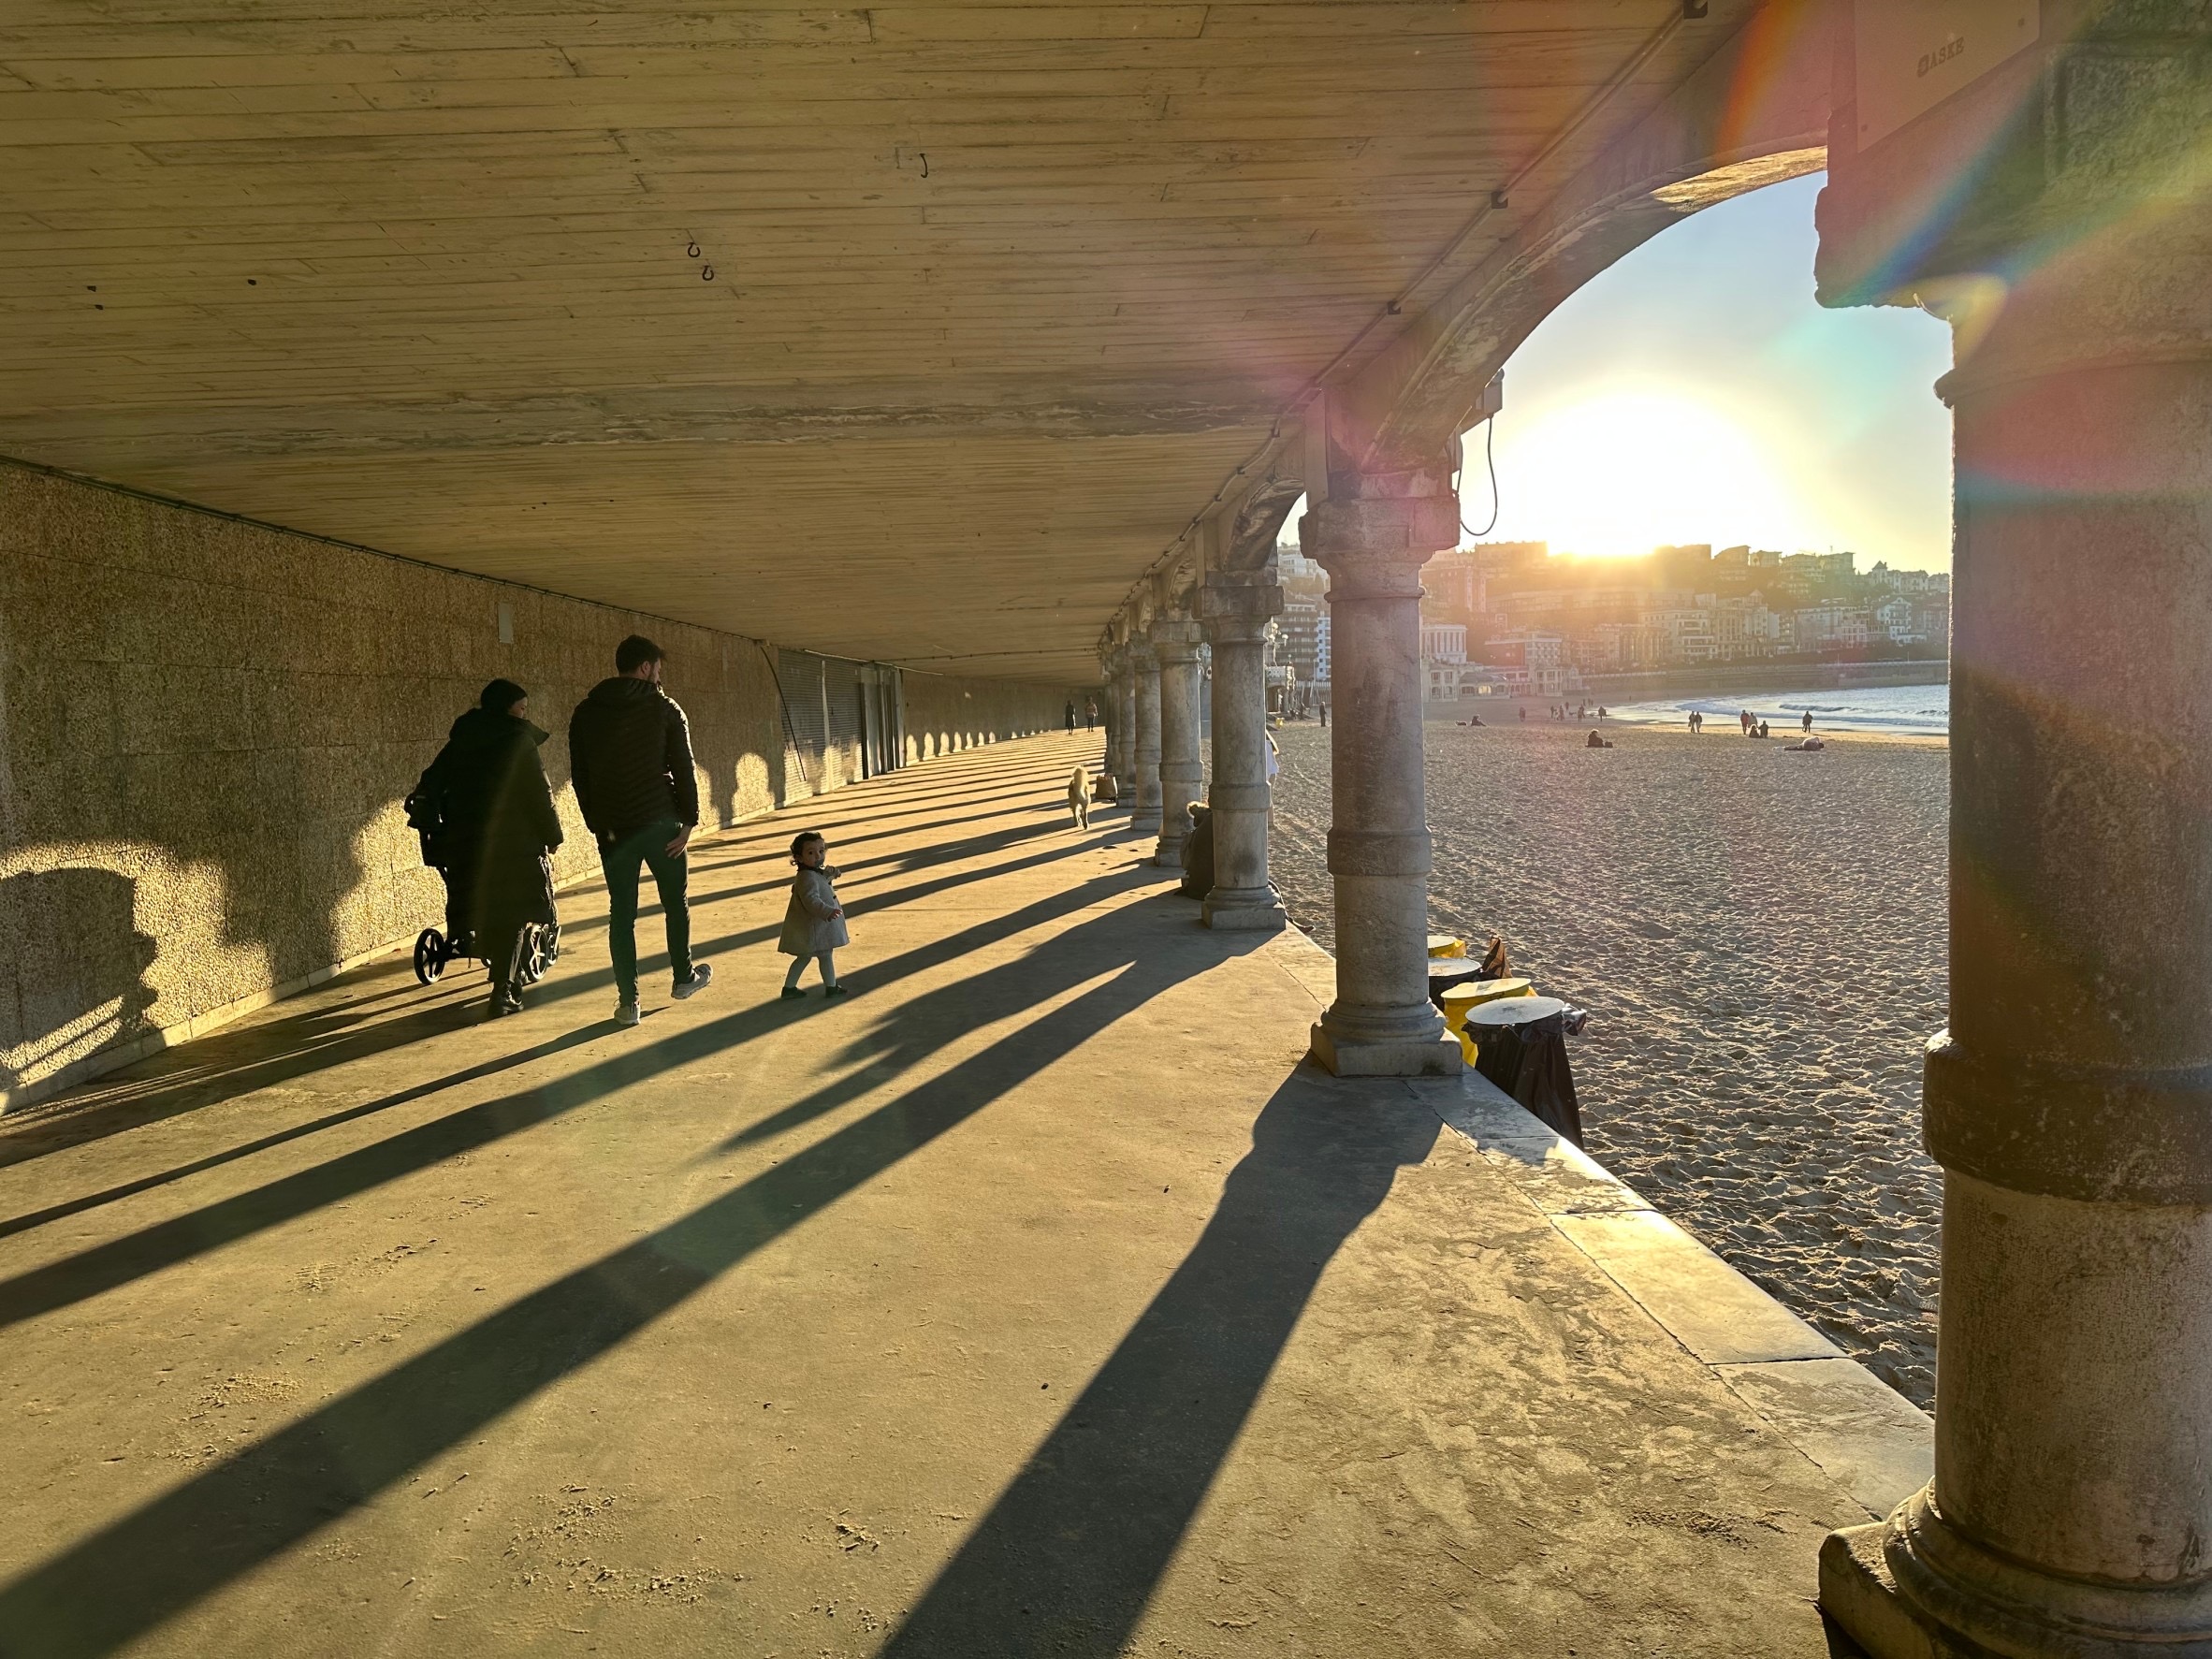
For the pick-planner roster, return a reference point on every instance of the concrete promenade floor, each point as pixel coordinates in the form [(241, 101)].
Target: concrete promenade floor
[(1033, 1300)]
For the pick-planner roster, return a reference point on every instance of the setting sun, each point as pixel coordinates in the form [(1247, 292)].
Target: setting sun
[(1616, 473)]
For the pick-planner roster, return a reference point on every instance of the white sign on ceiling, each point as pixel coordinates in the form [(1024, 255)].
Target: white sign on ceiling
[(1913, 54)]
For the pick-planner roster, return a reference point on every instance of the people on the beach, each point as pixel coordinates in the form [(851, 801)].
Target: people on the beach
[(1324, 708), (813, 921), (1596, 740), (1759, 730), (630, 757), (1744, 719), (1809, 745), (1807, 728), (490, 822), (1696, 722)]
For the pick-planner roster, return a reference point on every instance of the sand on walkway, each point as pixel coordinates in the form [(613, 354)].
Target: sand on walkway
[(1759, 937)]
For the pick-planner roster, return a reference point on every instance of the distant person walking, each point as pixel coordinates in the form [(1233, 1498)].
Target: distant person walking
[(814, 921), (1071, 714), (1806, 726), (1324, 711), (494, 822), (630, 755), (1090, 714)]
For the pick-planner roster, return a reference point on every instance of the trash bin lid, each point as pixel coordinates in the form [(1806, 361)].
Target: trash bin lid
[(1446, 944), (1515, 1011), (1452, 970), (1477, 991)]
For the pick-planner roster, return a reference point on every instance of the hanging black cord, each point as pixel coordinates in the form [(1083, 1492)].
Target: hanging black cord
[(1490, 426), (790, 731)]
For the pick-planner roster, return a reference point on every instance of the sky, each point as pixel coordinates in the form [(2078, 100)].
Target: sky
[(1694, 392)]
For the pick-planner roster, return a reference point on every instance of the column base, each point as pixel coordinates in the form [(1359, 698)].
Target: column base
[(1143, 822), (1168, 853), (1958, 1600), (1858, 1594), (1387, 1056), (1232, 911)]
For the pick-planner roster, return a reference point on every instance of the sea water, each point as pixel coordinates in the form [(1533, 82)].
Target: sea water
[(1903, 711)]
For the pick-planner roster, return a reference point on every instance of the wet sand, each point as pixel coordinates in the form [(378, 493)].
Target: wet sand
[(1759, 939)]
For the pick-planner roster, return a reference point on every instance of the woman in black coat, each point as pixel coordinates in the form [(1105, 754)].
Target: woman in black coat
[(496, 825)]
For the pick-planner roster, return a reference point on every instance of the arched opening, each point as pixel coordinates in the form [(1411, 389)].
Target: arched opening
[(1675, 385)]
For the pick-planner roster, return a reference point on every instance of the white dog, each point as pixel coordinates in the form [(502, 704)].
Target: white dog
[(1078, 797)]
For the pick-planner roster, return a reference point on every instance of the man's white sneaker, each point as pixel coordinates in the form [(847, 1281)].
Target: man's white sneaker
[(626, 1012), (701, 973)]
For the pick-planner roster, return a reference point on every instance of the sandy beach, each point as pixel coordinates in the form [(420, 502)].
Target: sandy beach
[(1759, 939)]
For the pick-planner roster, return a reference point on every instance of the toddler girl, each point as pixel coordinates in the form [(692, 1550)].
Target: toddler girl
[(814, 922)]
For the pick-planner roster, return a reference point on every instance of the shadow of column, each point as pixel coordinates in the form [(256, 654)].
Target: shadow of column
[(73, 973), (1067, 1560)]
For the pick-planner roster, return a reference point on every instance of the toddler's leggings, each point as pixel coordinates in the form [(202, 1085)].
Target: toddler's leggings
[(829, 970)]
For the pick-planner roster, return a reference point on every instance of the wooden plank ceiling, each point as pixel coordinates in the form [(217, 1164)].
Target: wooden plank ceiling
[(1000, 294)]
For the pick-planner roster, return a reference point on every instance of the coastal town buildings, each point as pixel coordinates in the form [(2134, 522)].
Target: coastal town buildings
[(1683, 607)]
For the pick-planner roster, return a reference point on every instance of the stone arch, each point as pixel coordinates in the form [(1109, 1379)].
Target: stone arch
[(1755, 114)]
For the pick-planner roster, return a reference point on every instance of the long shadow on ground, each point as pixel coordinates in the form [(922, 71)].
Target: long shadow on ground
[(110, 1588), (930, 1021), (1068, 1558), (239, 1061)]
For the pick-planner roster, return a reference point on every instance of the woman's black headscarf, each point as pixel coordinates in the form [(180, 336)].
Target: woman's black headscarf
[(501, 695)]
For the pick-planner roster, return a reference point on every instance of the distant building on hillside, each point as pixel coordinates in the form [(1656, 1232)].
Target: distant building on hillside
[(1453, 586), (1529, 663), (1444, 660), (1298, 633)]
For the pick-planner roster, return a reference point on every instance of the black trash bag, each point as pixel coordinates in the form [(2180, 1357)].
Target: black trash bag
[(1198, 854), (1530, 1063)]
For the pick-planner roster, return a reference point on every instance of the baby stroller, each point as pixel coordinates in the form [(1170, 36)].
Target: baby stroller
[(434, 952)]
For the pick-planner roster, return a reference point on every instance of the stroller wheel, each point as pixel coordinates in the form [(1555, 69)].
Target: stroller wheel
[(540, 946), (429, 956)]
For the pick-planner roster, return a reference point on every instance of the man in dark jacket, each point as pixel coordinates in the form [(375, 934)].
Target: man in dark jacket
[(486, 794), (630, 757)]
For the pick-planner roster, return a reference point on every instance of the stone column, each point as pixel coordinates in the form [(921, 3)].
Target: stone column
[(1144, 814), (1175, 643), (1236, 605), (1372, 536), (1110, 709), (1125, 703), (2070, 1104)]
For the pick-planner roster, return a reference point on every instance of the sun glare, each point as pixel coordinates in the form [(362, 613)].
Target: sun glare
[(1618, 473)]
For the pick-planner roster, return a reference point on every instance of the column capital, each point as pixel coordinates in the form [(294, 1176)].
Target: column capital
[(1143, 658), (1374, 546), (1237, 604), (1175, 639)]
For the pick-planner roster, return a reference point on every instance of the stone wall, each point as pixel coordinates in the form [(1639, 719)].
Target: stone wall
[(207, 727), (944, 714)]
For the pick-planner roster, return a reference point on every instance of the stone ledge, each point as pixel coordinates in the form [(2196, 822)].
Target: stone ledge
[(1868, 1437), (1871, 1441)]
